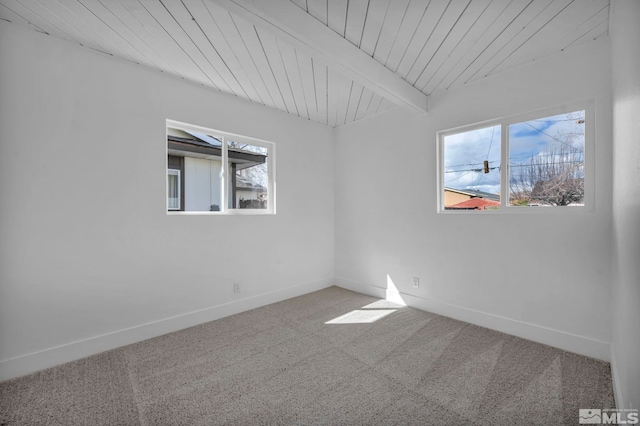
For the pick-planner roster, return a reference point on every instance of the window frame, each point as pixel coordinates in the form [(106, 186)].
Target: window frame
[(224, 175), (174, 172), (504, 123)]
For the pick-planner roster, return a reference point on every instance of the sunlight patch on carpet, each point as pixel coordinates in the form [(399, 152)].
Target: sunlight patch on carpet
[(361, 316), (383, 304)]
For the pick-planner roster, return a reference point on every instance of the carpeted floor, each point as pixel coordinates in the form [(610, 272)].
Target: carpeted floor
[(329, 357)]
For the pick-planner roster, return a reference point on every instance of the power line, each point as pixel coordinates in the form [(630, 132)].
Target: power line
[(491, 142), (459, 177), (552, 137), (478, 170), (471, 170)]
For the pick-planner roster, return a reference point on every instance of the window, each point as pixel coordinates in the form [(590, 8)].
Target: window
[(173, 189), (541, 160), (214, 171)]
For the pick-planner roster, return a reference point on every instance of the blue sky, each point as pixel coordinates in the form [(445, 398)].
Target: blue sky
[(465, 153)]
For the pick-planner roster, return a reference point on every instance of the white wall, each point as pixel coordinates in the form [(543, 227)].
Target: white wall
[(625, 60), (544, 277), (89, 258)]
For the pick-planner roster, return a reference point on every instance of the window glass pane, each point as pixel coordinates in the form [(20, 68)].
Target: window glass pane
[(472, 170), (248, 175), (173, 186), (201, 156), (546, 161), (211, 170)]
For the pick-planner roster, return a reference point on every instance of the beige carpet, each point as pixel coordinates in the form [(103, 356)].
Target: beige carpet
[(329, 357)]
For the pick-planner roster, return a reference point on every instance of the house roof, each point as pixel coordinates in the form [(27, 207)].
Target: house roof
[(206, 146), (247, 184), (475, 193), (475, 203)]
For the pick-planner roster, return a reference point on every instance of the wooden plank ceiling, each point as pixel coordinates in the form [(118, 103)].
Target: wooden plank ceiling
[(329, 61)]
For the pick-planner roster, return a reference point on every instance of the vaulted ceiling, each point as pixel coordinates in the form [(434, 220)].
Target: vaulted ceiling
[(329, 61)]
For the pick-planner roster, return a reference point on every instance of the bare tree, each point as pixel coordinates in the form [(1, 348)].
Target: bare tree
[(554, 177), (257, 173)]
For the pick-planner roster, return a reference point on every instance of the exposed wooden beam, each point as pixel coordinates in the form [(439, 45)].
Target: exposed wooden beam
[(291, 24)]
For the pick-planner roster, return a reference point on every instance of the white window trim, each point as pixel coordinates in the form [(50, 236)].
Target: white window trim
[(224, 210), (174, 172), (504, 122)]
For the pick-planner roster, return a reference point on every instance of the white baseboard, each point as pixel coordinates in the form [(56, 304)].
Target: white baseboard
[(32, 362), (617, 391), (559, 339)]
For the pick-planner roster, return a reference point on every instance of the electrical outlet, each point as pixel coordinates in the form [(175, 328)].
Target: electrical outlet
[(416, 282), (236, 287)]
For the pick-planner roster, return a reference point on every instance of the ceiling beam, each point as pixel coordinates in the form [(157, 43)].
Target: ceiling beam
[(291, 24)]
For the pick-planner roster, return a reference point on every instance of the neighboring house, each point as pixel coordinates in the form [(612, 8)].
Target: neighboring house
[(250, 194), (476, 203), (455, 196), (194, 164)]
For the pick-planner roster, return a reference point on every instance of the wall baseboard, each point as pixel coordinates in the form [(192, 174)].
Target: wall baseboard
[(617, 391), (559, 339), (32, 362), (36, 361)]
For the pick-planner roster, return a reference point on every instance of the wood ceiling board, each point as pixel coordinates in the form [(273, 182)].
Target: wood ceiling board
[(292, 54), (318, 9), (390, 29), (408, 28), (40, 17), (467, 50), (86, 21), (373, 24), (320, 79), (600, 30), (254, 47), (534, 21), (207, 39), (546, 42), (140, 38), (57, 24), (374, 106), (290, 61), (333, 92), (354, 102), (73, 26), (293, 25), (451, 27), (365, 109), (575, 17), (9, 15), (460, 53), (227, 26), (305, 65), (356, 16), (141, 52), (344, 96), (188, 38), (469, 65), (592, 28), (337, 15), (364, 104), (213, 43), (385, 105), (301, 4), (272, 53), (156, 36), (426, 27)]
